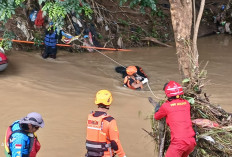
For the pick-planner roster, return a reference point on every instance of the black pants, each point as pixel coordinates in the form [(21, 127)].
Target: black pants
[(50, 52)]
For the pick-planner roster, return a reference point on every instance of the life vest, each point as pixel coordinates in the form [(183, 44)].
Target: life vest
[(141, 72), (50, 39), (127, 82), (96, 139), (34, 143)]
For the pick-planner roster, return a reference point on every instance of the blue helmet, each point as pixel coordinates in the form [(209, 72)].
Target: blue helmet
[(223, 7), (86, 36)]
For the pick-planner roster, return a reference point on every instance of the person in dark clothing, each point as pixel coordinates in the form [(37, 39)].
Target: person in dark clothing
[(50, 41), (134, 76)]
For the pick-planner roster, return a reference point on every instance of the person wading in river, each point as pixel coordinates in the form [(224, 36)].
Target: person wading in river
[(135, 77), (177, 113), (102, 138)]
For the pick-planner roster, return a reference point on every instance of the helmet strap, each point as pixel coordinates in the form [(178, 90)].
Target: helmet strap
[(103, 106)]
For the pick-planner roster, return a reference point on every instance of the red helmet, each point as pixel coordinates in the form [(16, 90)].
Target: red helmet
[(173, 89), (131, 70)]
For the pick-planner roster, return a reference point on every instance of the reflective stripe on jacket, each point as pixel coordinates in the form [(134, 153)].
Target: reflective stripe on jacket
[(101, 131), (96, 140)]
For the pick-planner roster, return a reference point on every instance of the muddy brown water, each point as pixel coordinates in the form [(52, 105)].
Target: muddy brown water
[(63, 92)]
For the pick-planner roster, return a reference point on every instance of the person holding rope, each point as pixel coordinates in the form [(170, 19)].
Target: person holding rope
[(102, 138), (176, 110), (134, 76)]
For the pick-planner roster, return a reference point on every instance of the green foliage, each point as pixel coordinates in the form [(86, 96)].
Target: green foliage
[(189, 99), (6, 43), (38, 42), (123, 22), (186, 80), (58, 10), (141, 3), (160, 13), (135, 38), (7, 8)]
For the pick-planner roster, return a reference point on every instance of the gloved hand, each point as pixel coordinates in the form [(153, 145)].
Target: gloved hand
[(157, 107), (145, 80)]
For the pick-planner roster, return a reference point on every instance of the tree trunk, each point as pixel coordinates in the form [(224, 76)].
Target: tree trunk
[(181, 13)]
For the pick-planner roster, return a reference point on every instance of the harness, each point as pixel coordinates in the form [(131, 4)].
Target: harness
[(127, 82), (96, 140)]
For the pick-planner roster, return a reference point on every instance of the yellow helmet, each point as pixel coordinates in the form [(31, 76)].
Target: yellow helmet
[(103, 97)]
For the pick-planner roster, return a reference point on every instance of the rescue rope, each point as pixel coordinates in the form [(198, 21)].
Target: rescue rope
[(152, 92), (124, 67), (95, 48), (110, 58)]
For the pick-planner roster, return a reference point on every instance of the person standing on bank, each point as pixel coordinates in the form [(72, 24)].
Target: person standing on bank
[(20, 139), (177, 113), (102, 138)]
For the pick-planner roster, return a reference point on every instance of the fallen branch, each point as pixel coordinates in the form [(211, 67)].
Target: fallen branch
[(155, 41)]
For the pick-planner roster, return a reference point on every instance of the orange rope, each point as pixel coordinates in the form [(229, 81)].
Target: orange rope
[(64, 45)]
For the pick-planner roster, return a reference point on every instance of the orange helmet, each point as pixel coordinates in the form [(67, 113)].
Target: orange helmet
[(103, 97), (131, 70)]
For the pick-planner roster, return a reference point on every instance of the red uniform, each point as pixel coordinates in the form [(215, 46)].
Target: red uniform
[(177, 113)]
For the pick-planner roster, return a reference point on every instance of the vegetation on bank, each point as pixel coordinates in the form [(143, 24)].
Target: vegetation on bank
[(117, 23), (129, 21)]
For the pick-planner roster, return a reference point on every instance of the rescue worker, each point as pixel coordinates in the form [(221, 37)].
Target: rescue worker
[(3, 60), (21, 140), (102, 138), (177, 113), (50, 41), (135, 77)]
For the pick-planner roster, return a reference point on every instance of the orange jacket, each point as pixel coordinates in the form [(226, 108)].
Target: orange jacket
[(102, 136)]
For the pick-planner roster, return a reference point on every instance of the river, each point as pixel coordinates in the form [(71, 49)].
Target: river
[(63, 91)]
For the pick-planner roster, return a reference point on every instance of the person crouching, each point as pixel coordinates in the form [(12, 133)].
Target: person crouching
[(177, 113)]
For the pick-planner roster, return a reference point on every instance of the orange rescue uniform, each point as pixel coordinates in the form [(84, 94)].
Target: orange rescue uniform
[(102, 136)]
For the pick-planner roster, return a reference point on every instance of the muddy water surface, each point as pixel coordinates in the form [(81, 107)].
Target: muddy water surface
[(63, 92)]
